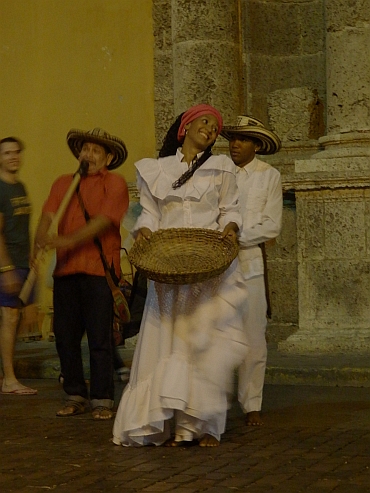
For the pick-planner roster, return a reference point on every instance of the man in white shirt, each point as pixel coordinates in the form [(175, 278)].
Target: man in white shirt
[(261, 207)]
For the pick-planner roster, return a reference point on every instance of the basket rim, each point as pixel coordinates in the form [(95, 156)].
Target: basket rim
[(138, 259)]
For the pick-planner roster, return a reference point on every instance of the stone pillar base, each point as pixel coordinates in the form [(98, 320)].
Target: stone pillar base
[(324, 341)]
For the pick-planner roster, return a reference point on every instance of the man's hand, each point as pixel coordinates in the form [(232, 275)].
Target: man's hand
[(65, 241), (93, 228), (48, 243)]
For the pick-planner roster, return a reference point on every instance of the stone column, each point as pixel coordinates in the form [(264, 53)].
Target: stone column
[(348, 66), (333, 198), (207, 55), (347, 143), (163, 69)]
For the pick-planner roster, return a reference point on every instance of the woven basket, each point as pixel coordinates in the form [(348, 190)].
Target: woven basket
[(183, 255)]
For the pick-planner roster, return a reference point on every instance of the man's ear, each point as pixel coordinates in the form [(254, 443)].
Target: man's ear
[(257, 146), (109, 158)]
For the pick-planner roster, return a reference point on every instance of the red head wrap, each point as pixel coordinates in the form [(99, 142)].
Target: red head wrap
[(193, 113)]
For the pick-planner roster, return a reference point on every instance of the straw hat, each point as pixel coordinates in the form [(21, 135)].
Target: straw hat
[(251, 127), (76, 139)]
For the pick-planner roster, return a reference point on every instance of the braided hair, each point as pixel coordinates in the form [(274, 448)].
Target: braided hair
[(169, 148), (170, 142)]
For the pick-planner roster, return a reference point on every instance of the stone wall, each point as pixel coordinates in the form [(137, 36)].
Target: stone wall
[(302, 67), (197, 58), (284, 60), (164, 102)]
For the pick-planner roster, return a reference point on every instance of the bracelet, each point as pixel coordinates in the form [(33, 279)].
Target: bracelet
[(6, 268)]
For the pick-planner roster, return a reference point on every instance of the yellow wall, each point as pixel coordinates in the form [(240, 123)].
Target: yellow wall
[(75, 64)]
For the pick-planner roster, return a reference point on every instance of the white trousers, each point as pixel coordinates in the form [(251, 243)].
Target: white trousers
[(252, 370)]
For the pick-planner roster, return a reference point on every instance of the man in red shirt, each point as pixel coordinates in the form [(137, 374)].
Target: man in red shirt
[(82, 298)]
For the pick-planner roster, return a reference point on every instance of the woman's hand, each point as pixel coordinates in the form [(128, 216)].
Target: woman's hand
[(230, 231), (143, 233)]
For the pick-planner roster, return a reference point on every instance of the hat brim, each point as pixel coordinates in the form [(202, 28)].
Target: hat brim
[(270, 142), (77, 138)]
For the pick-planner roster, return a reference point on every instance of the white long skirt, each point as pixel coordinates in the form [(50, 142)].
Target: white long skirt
[(190, 342)]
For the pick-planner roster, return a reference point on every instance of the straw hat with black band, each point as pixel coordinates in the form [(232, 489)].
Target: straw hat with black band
[(255, 129), (76, 139)]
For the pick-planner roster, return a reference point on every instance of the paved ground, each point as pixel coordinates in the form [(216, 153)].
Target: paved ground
[(315, 439), (39, 360)]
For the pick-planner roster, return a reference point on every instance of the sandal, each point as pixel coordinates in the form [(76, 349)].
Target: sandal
[(71, 408), (171, 442), (102, 412)]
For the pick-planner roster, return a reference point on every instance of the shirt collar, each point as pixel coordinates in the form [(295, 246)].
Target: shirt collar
[(180, 155), (249, 168), (102, 172)]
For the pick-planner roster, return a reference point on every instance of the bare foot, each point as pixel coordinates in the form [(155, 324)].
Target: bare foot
[(253, 419), (208, 441), (16, 388)]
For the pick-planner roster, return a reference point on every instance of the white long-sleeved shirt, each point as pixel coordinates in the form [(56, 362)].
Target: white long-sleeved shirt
[(261, 206), (208, 200)]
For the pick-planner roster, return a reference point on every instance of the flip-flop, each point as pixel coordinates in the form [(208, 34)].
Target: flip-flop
[(19, 391), (75, 409)]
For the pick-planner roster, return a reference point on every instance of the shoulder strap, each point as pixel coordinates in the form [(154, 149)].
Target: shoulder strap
[(109, 272)]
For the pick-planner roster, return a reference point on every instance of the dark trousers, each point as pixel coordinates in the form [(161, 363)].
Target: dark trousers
[(84, 303)]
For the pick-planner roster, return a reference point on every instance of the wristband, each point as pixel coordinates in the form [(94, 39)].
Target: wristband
[(6, 268)]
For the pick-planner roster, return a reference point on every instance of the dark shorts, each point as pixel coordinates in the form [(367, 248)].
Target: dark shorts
[(11, 300)]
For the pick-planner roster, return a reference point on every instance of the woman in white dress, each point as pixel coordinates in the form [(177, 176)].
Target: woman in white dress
[(191, 336)]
